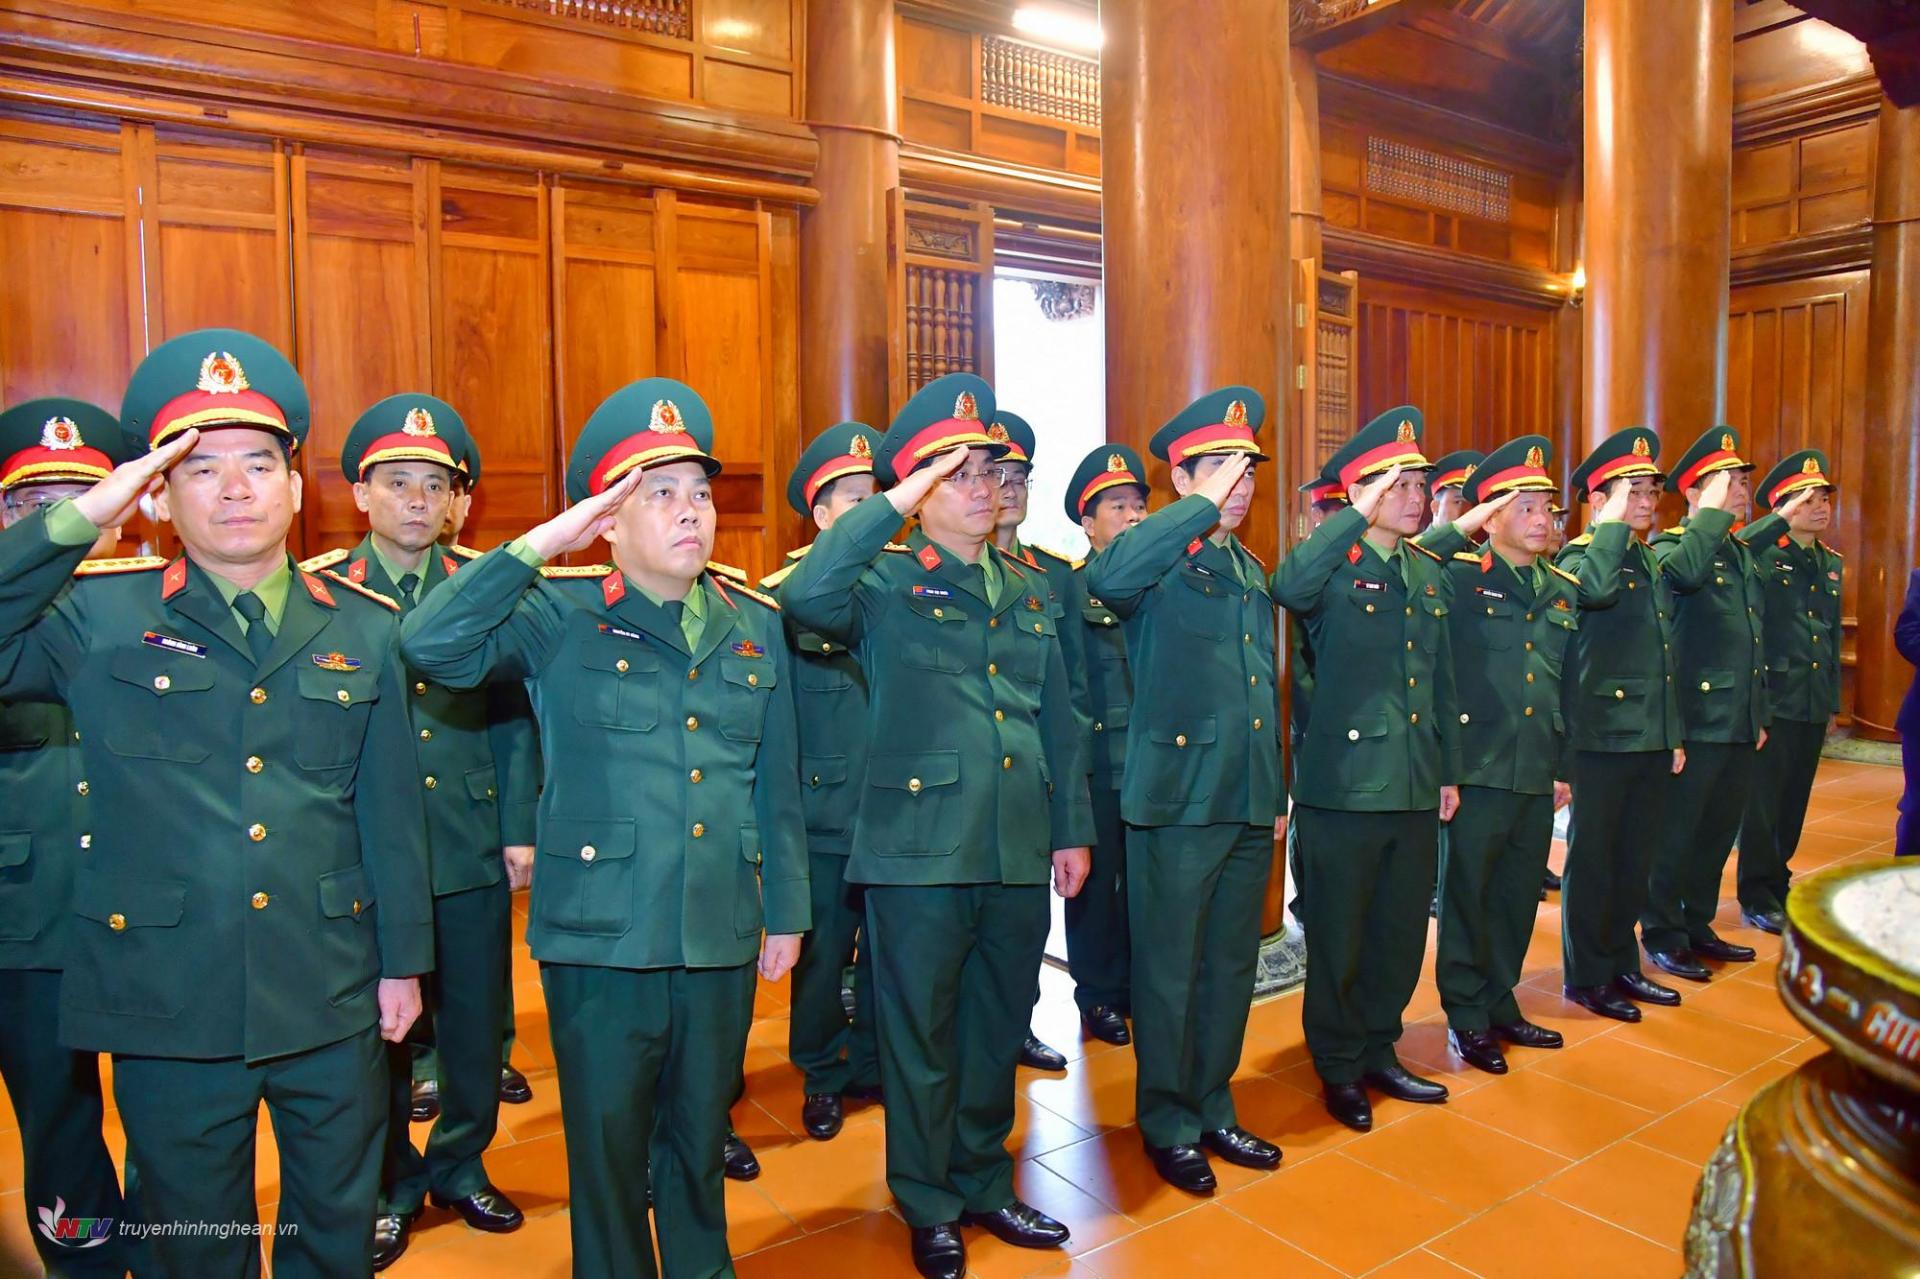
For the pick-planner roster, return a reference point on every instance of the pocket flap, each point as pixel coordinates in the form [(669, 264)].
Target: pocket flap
[(162, 673), (1033, 621), (129, 901), (1359, 728), (14, 849), (1099, 615), (1715, 680), (750, 844), (823, 770), (345, 893), (749, 672), (586, 840), (1198, 731), (1116, 718), (483, 783), (1620, 689), (619, 659), (936, 610), (914, 772), (1564, 617), (342, 688)]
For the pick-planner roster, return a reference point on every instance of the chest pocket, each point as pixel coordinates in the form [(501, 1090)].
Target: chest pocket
[(749, 684), (1206, 603), (1038, 632), (334, 709), (1493, 618), (154, 694), (934, 635), (1561, 624), (813, 672), (1372, 619), (618, 686)]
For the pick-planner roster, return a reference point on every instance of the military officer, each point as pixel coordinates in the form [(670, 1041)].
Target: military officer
[(51, 449), (1325, 497), (1720, 655), (974, 790), (670, 828), (1446, 485), (1015, 476), (477, 765), (1107, 495), (1510, 620), (1203, 786), (1379, 762), (1625, 720), (253, 913), (1802, 578), (837, 1057), (1557, 530)]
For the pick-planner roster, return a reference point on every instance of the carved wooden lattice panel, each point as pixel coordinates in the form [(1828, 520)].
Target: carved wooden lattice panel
[(1333, 398), (943, 293), (1039, 81), (655, 17)]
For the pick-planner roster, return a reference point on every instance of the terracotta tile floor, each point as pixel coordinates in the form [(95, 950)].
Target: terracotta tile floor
[(1579, 1162)]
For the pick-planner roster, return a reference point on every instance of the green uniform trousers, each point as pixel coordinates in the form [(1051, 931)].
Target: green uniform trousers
[(1622, 797), (471, 934), (1776, 811), (648, 1062), (190, 1131), (1196, 893), (1099, 952), (1491, 864), (831, 1052), (953, 968), (1366, 882), (56, 1101), (1704, 806), (426, 1059)]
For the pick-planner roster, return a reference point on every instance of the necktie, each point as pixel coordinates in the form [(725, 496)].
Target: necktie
[(259, 640), (408, 583)]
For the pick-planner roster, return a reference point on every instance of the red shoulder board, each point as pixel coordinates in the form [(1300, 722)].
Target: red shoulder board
[(174, 578), (929, 558), (1353, 553), (318, 589), (1486, 562), (449, 563), (613, 588), (357, 571)]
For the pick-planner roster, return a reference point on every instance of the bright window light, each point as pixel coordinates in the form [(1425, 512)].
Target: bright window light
[(1052, 26)]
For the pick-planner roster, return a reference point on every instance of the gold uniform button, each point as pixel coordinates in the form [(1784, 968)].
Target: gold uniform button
[(420, 687), (825, 647), (162, 683), (1816, 639), (343, 695), (694, 673), (993, 668), (1412, 682), (1619, 694), (695, 776), (1529, 646), (1529, 712), (753, 681), (693, 722), (1039, 629), (1253, 679), (1489, 610), (993, 623), (1529, 677), (1107, 620), (1633, 586), (1369, 608), (432, 781), (999, 715), (1816, 666), (1006, 761), (83, 788), (588, 852), (1705, 687), (623, 666), (1256, 724), (1353, 734), (1409, 644), (117, 922), (699, 829), (1464, 717), (1414, 718), (356, 906), (1180, 739), (913, 786), (1099, 727), (1248, 637), (1719, 581), (260, 901), (1409, 610), (939, 612), (426, 734), (256, 832), (258, 695)]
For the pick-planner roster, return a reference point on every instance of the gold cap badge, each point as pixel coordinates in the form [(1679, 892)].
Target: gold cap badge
[(1116, 463), (964, 408), (1535, 458), (1405, 434), (419, 422), (1640, 448), (1726, 442), (998, 434), (1468, 473), (860, 448), (1236, 414), (221, 374), (60, 433), (665, 418), (1809, 467)]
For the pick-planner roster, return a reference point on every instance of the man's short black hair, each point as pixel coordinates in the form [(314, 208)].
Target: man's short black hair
[(1093, 507)]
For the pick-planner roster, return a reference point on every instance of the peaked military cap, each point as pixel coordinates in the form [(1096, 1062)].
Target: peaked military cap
[(1634, 451), (1222, 421), (1717, 449), (1518, 465), (59, 441), (846, 449), (1108, 467), (212, 378), (946, 412), (1324, 487), (1390, 440), (1806, 469), (1453, 469), (409, 427), (470, 460), (652, 422), (1013, 431)]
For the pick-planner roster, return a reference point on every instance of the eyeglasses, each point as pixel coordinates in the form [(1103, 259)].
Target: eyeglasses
[(25, 504), (1011, 477), (969, 479)]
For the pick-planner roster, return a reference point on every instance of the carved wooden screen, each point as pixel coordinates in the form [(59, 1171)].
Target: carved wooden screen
[(942, 292), (1325, 350)]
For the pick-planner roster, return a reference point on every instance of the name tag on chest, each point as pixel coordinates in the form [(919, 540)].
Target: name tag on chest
[(1488, 593), (1362, 584), (153, 639)]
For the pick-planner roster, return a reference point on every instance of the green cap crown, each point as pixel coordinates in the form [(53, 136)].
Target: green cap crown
[(1220, 422), (1012, 430), (1717, 449), (1451, 469), (1634, 451), (57, 440), (1390, 440), (214, 378), (1806, 469), (844, 449), (946, 412), (652, 422), (409, 427), (1110, 466), (1519, 465)]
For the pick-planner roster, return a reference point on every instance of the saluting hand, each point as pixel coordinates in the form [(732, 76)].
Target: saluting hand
[(1476, 519), (1368, 501), (909, 493), (399, 1006), (1218, 486), (1787, 508), (1615, 507), (113, 501), (583, 523), (1713, 495), (1070, 869), (778, 954)]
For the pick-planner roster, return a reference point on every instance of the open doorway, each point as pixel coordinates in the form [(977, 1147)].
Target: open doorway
[(1049, 362)]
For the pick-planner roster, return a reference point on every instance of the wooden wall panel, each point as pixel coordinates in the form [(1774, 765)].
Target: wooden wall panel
[(1801, 184), (999, 98)]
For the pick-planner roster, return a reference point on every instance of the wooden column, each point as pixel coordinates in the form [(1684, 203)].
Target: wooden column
[(853, 106), (1307, 216), (1887, 476), (1659, 153)]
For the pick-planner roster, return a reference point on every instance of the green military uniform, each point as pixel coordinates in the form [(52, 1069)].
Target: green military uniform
[(1099, 941), (1203, 781), (1510, 625), (1720, 669), (1451, 471), (973, 779), (1625, 719), (1380, 744), (1801, 583), (55, 1091), (670, 834), (478, 771), (832, 1051), (1321, 488), (249, 879)]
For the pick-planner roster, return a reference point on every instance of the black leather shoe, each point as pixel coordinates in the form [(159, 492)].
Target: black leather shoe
[(863, 1092), (426, 1101), (1019, 1224), (1395, 1081), (740, 1163), (1238, 1146), (1680, 963), (1551, 882), (1040, 1057), (1105, 1023), (514, 1088), (939, 1252), (1478, 1049), (1725, 951), (391, 1233), (1527, 1035), (1637, 986), (1767, 921), (1348, 1103), (1602, 1001), (485, 1209), (822, 1115), (1184, 1168)]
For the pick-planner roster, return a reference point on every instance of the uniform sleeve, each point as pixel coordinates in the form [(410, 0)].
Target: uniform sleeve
[(824, 592), (484, 623), (1687, 560), (1070, 807), (1444, 539), (1302, 577), (1135, 561), (1763, 532), (42, 635), (785, 894), (1446, 694), (393, 829), (516, 761), (1073, 651), (1597, 564)]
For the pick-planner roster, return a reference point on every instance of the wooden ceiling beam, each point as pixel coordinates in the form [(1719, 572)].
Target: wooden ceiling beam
[(1326, 24)]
